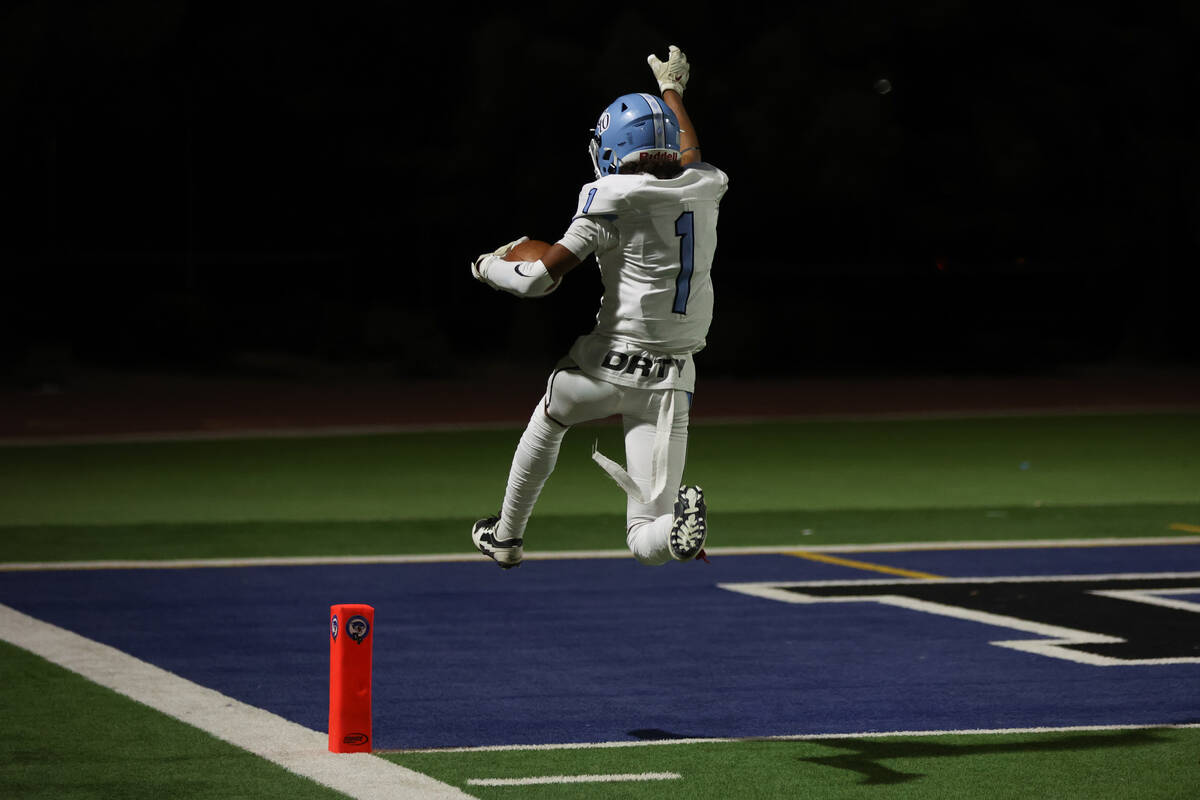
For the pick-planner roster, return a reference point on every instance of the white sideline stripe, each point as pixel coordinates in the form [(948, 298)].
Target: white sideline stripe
[(566, 555), (555, 779), (327, 431), (362, 776), (803, 737)]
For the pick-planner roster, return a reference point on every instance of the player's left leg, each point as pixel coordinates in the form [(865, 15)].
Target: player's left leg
[(673, 524)]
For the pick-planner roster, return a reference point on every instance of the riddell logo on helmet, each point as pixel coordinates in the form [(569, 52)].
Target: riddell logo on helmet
[(658, 155)]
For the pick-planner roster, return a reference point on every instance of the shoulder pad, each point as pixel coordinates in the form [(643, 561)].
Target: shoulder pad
[(711, 173), (606, 197)]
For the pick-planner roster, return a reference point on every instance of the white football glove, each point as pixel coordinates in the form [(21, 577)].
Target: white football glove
[(674, 73), (479, 265)]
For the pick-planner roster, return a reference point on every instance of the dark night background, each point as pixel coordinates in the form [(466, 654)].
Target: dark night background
[(283, 189)]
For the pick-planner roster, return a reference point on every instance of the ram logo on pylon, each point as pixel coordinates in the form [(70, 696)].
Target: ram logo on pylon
[(357, 628), (350, 678)]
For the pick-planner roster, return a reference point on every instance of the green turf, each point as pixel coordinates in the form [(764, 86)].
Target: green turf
[(795, 484), (555, 532), (63, 737), (1147, 764), (810, 466)]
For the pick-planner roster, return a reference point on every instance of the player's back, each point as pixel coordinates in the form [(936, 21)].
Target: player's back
[(657, 262)]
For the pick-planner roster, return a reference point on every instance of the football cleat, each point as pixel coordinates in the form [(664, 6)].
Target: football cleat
[(690, 528), (505, 552)]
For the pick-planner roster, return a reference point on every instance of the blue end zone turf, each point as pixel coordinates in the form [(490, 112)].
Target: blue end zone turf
[(602, 650)]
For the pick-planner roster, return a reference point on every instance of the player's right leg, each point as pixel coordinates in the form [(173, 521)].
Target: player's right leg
[(501, 537), (571, 397)]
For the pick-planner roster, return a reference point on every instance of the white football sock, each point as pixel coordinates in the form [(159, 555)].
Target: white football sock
[(650, 540), (534, 460)]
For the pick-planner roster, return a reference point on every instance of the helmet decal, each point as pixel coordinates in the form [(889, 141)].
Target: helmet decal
[(660, 134)]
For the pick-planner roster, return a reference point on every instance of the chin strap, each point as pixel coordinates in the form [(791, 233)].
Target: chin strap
[(659, 462)]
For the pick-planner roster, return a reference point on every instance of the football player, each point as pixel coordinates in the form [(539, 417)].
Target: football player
[(650, 218)]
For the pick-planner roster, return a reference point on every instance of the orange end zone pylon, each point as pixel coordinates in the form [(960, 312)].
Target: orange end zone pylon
[(351, 638)]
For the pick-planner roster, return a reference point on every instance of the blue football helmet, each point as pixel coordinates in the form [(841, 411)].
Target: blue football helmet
[(636, 127)]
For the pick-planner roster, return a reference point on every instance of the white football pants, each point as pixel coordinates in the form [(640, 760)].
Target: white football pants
[(573, 397)]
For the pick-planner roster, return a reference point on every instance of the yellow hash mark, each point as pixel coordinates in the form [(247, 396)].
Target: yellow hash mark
[(849, 562), (1179, 526)]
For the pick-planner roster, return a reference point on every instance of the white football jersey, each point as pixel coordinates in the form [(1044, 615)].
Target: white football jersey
[(654, 240)]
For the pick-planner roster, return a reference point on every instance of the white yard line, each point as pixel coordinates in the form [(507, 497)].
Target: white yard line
[(801, 737), (361, 776), (565, 555), (559, 779)]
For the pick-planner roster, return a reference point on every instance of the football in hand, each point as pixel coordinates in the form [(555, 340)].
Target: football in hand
[(532, 250)]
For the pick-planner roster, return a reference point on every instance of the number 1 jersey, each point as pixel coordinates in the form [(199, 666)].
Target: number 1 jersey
[(654, 240)]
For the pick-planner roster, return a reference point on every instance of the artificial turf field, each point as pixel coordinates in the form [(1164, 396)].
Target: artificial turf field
[(811, 486)]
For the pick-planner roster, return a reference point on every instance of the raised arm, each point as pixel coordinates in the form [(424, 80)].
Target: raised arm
[(689, 142), (672, 76)]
